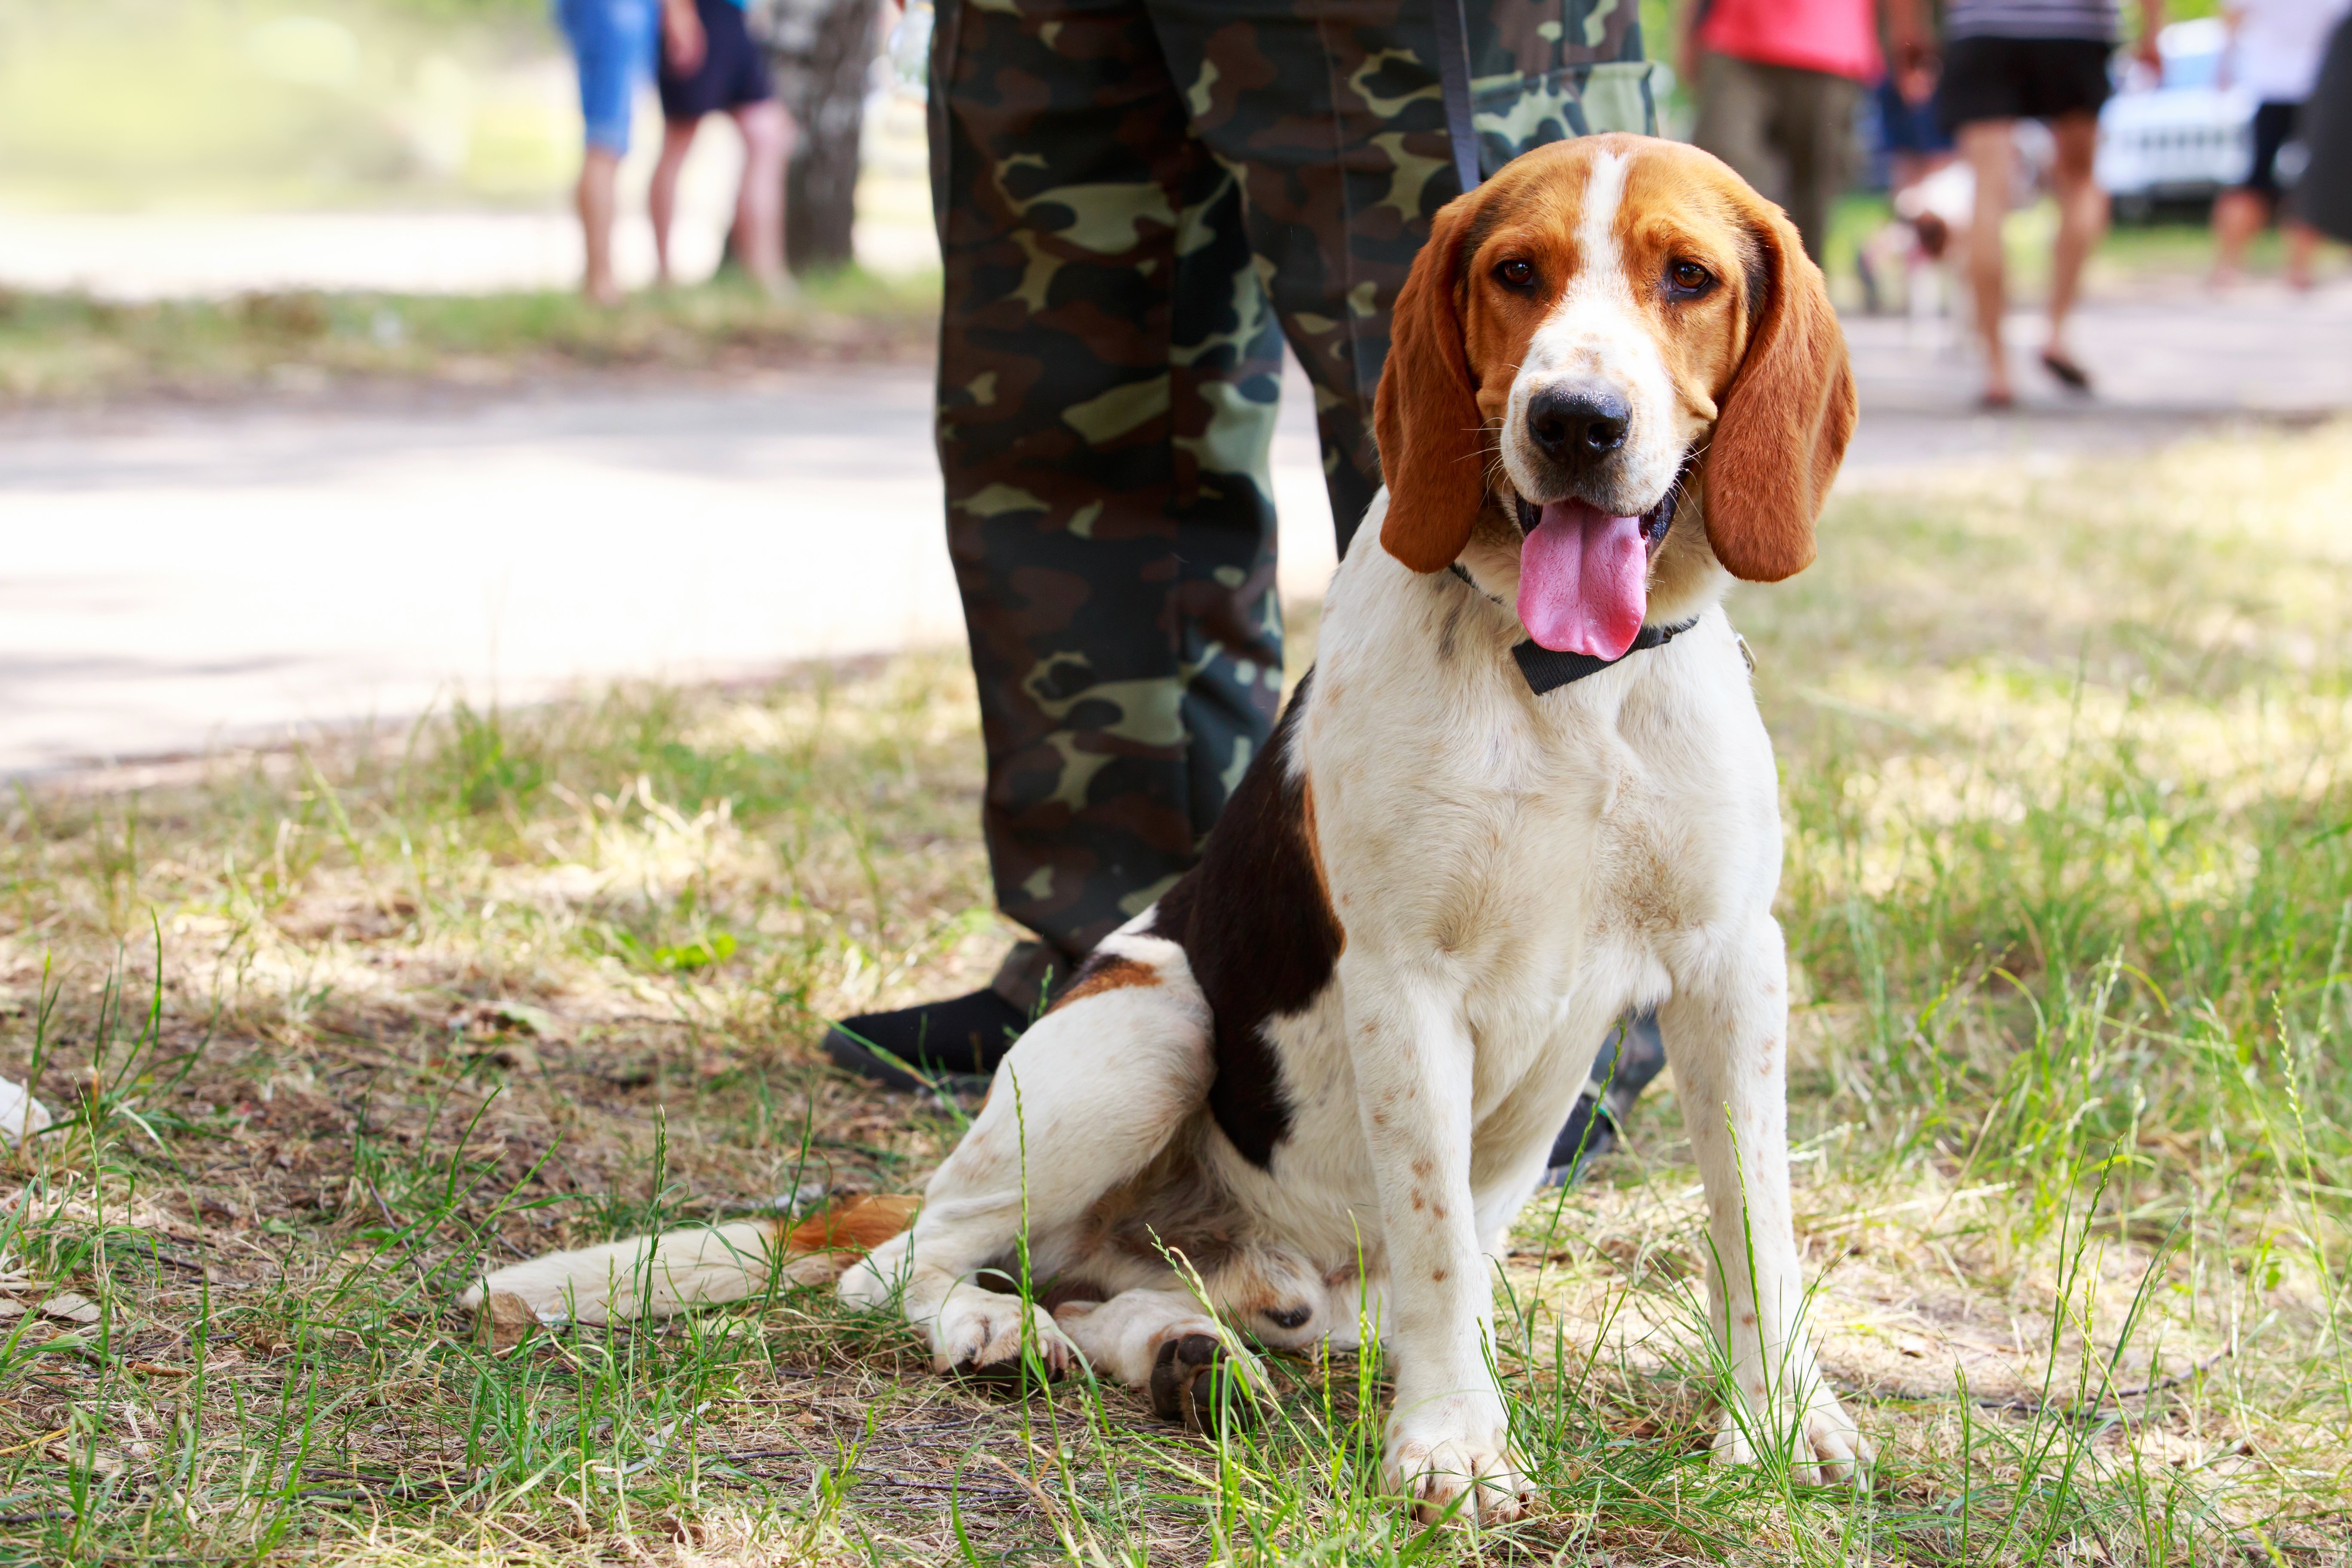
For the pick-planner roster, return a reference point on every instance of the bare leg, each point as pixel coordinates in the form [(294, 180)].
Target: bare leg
[(1991, 148), (2302, 250), (598, 169), (759, 205), (2238, 217), (2081, 217), (677, 141)]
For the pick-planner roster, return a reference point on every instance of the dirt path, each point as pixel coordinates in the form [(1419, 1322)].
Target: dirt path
[(182, 578)]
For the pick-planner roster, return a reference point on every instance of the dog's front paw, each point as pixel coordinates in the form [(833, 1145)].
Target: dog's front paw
[(978, 1330), (1455, 1451), (1824, 1444)]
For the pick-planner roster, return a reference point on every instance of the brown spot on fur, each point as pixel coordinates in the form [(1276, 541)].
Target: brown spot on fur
[(1423, 1168), (1748, 1318), (1315, 853), (1105, 972), (864, 1223), (1437, 1213), (1419, 1202), (1437, 1277)]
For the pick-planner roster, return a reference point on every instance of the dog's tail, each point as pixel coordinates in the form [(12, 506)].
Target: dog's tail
[(700, 1266)]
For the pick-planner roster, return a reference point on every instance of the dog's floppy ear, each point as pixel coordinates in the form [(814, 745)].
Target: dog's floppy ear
[(1787, 418), (1425, 416)]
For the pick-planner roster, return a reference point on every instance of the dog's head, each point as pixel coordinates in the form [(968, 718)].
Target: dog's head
[(1607, 328)]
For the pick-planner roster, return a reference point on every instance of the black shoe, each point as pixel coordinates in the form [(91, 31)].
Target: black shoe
[(1631, 1057), (952, 1045)]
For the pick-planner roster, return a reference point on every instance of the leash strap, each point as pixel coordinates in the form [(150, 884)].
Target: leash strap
[(1547, 671), (1452, 18)]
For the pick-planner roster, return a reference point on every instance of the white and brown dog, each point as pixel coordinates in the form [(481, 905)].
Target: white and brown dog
[(1526, 790)]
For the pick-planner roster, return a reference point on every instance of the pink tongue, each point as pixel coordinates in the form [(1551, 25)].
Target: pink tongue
[(1583, 581)]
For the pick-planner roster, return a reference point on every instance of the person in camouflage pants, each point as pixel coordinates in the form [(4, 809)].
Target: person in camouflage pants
[(1138, 202)]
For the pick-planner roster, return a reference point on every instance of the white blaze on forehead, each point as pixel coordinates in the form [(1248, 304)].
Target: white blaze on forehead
[(1597, 335), (1596, 229)]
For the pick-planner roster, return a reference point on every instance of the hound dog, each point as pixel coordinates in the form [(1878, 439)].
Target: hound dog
[(1524, 790)]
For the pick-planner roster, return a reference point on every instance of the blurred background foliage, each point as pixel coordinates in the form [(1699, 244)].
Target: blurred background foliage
[(112, 104)]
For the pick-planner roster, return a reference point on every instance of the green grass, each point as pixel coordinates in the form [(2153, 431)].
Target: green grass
[(2069, 898), (72, 348)]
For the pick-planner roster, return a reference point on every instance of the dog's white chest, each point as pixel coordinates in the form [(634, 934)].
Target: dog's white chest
[(1500, 836)]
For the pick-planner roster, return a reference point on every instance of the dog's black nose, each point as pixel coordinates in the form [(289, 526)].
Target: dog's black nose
[(1576, 425)]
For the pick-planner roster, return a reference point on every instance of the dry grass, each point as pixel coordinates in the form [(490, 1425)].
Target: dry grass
[(2069, 888)]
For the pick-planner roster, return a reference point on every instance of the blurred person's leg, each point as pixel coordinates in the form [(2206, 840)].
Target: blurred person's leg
[(727, 72), (2302, 253), (1741, 118), (597, 200), (661, 196), (612, 46), (1815, 131), (1987, 86), (734, 77), (2082, 223), (1990, 146), (760, 200), (2241, 211), (2063, 83), (2239, 214)]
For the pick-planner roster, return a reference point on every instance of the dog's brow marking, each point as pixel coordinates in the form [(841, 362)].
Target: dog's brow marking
[(1604, 192)]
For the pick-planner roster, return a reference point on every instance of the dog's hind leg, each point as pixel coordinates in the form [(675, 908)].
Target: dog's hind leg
[(1086, 1100), (1192, 1366)]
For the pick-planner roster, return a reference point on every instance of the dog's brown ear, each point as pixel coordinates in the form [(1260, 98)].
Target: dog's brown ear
[(1787, 418), (1425, 416)]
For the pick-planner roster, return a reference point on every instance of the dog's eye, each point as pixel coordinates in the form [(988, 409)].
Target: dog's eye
[(1688, 278), (1516, 274)]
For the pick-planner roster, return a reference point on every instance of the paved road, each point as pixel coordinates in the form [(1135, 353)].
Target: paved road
[(178, 579)]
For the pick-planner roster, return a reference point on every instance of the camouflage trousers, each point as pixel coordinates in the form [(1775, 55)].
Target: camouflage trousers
[(1139, 201)]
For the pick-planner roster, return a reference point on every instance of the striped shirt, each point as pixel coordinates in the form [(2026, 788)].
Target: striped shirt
[(2092, 20)]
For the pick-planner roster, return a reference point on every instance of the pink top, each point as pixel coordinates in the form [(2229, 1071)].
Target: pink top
[(1840, 37)]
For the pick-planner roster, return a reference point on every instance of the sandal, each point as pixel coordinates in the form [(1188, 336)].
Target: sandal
[(2070, 375)]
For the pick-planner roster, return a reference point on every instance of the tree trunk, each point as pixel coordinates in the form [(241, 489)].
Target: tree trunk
[(822, 52)]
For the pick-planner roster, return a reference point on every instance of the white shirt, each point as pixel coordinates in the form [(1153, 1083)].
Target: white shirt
[(2275, 46)]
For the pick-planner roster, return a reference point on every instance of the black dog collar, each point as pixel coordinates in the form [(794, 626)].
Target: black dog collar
[(1547, 670)]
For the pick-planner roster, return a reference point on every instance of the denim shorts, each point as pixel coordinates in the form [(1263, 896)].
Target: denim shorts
[(615, 43)]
